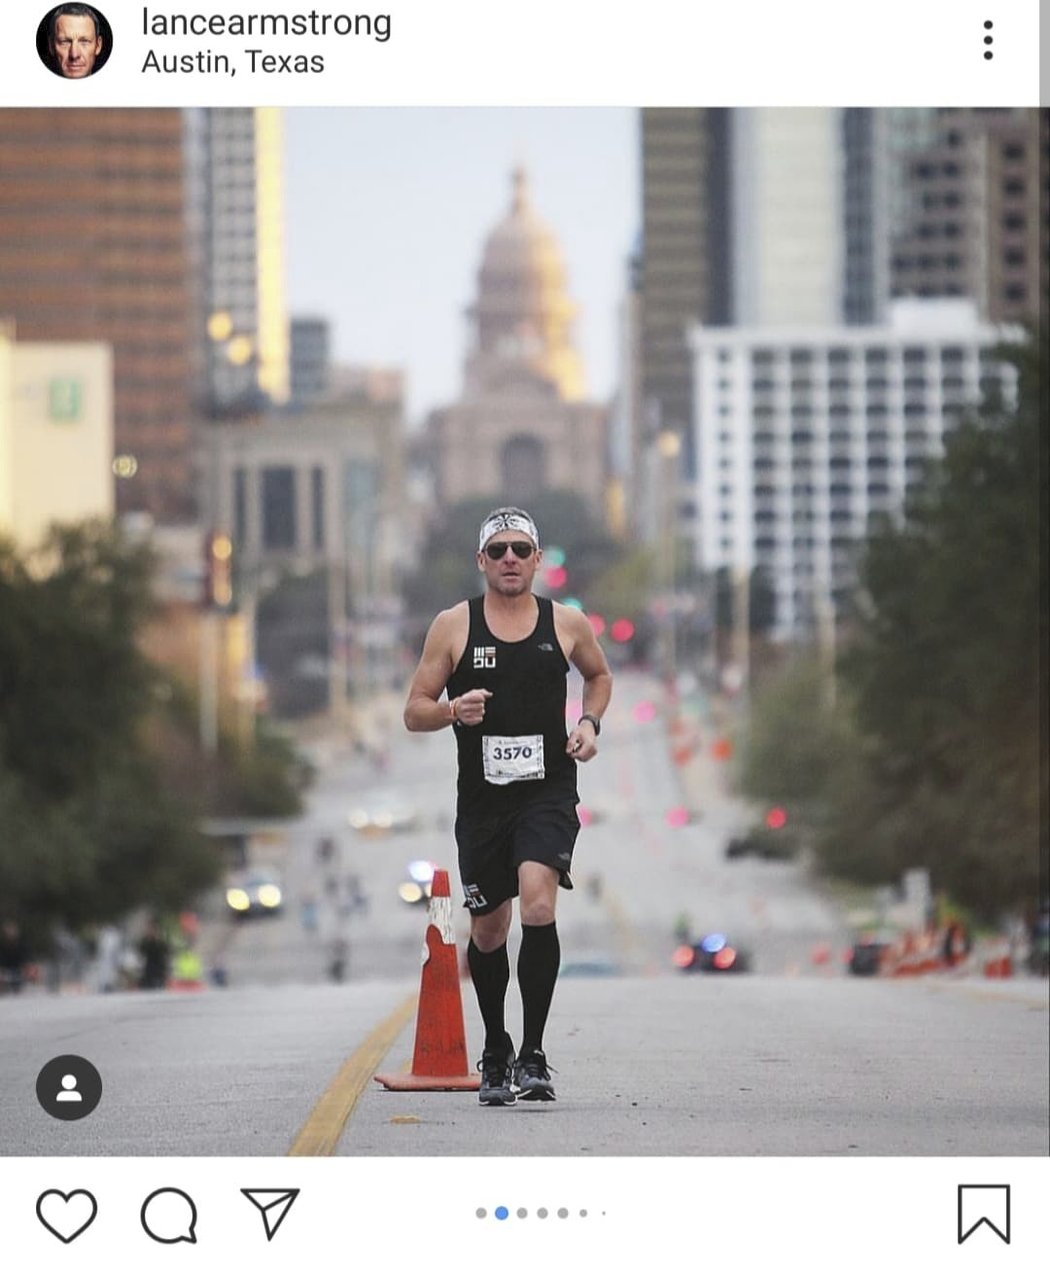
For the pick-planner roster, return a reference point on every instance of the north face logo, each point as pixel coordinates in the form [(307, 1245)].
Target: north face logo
[(484, 658)]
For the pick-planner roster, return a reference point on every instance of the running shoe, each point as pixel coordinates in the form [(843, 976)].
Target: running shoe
[(532, 1077), (497, 1070)]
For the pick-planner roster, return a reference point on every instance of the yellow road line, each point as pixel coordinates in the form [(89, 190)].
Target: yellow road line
[(987, 995), (324, 1126)]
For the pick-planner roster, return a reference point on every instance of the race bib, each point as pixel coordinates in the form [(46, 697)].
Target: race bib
[(507, 759)]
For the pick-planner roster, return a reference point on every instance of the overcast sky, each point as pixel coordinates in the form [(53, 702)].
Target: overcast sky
[(388, 210)]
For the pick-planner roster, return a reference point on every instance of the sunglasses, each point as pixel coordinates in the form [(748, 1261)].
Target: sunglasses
[(497, 551)]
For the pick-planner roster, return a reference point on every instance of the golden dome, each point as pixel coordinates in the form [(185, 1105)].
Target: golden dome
[(523, 313)]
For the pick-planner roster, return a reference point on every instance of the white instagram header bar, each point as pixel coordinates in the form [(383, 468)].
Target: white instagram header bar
[(541, 53)]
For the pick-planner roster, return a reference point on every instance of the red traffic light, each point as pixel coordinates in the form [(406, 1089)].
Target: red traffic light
[(776, 818), (622, 630), (556, 576)]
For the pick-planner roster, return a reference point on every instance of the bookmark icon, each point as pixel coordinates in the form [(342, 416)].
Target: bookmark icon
[(273, 1204), (984, 1205)]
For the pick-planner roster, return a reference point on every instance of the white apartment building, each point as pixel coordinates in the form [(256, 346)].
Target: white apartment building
[(805, 434)]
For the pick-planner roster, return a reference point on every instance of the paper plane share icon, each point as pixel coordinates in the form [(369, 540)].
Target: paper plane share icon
[(273, 1204)]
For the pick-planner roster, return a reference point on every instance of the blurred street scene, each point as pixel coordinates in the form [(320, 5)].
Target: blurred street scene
[(802, 505)]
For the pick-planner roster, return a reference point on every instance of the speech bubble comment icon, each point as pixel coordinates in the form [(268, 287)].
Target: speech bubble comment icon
[(169, 1216), (66, 1214)]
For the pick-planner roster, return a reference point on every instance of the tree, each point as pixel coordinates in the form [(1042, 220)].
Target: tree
[(89, 830), (944, 667), (794, 740)]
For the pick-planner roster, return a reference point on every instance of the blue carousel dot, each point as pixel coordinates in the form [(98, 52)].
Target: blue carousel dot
[(501, 1212)]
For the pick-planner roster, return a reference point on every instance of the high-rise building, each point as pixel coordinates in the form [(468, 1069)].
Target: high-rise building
[(93, 247), (965, 213), (788, 225), (685, 257), (763, 218), (805, 434), (865, 214), (521, 424), (238, 216), (310, 361)]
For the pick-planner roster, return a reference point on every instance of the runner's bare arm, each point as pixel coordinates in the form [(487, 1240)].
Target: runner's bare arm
[(424, 711), (586, 654)]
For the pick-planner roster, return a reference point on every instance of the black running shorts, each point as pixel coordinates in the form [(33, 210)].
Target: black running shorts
[(491, 850)]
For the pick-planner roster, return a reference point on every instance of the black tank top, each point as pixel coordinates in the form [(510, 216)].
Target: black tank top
[(527, 680)]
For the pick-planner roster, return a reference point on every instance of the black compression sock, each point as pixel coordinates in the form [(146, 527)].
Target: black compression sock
[(491, 975), (538, 961)]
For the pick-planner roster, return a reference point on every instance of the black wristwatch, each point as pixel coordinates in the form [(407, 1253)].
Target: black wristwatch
[(595, 723)]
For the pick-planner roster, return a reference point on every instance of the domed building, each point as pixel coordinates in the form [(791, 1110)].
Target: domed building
[(522, 424)]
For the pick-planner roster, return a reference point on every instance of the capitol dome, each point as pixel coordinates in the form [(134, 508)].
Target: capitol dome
[(523, 315)]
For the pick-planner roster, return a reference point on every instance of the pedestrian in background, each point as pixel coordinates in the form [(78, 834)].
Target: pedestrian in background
[(155, 952), (14, 956), (109, 945), (502, 659)]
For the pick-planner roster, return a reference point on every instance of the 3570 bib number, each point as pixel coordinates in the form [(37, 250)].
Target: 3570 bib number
[(507, 759)]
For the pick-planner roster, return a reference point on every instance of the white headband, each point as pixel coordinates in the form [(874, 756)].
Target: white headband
[(508, 521)]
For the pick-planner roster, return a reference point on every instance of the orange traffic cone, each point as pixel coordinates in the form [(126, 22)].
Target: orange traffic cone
[(440, 1058)]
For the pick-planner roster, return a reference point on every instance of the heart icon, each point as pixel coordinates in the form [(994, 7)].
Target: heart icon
[(66, 1215)]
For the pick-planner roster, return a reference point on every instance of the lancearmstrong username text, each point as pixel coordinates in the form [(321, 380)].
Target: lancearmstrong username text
[(376, 25)]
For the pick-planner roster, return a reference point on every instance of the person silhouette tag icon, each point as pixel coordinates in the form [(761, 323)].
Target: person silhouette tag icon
[(69, 1092), (68, 1087)]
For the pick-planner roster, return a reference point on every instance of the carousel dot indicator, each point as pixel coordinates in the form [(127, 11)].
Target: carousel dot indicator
[(481, 1213), (523, 1213), (502, 1212), (541, 1213), (563, 1213)]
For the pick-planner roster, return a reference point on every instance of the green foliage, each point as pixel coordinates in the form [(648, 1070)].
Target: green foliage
[(945, 665), (72, 682), (266, 780), (932, 757), (88, 831), (794, 740), (625, 588)]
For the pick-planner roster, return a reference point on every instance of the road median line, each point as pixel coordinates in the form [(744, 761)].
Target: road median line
[(324, 1126)]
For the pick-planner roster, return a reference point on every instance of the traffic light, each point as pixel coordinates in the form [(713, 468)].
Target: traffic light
[(218, 571)]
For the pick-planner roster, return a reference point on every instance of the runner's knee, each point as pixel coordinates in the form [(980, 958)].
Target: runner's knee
[(489, 931)]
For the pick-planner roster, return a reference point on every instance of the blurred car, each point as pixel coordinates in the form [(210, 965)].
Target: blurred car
[(253, 893), (715, 953), (415, 889), (764, 844), (383, 812), (867, 953)]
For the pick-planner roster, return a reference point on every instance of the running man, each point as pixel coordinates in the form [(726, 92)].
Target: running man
[(502, 660)]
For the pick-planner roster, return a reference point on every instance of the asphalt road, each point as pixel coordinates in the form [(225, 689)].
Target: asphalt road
[(795, 1059), (645, 1066)]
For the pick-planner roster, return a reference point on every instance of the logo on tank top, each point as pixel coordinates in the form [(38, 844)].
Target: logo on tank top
[(484, 657)]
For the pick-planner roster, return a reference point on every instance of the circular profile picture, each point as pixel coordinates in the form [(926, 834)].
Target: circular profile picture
[(74, 41)]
